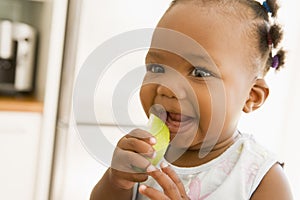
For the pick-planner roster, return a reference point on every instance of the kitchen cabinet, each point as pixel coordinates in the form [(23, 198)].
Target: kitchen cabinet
[(76, 171), (34, 136), (19, 144)]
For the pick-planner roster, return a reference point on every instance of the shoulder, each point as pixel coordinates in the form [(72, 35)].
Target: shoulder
[(274, 185), (269, 180)]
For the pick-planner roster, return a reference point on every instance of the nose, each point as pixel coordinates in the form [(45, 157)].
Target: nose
[(172, 90)]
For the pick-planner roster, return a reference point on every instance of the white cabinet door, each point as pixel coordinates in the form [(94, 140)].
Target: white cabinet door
[(76, 170), (19, 135)]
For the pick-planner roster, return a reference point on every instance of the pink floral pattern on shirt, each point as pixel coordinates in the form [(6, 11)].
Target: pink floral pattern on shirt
[(226, 166), (252, 172), (195, 190)]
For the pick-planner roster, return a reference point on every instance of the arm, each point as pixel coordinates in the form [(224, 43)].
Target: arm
[(273, 186), (105, 189)]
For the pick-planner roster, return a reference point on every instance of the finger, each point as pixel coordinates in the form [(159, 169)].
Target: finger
[(172, 174), (137, 177), (152, 193), (165, 182), (142, 135), (136, 145), (128, 161)]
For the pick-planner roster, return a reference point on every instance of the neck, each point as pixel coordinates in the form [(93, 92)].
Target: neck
[(192, 158)]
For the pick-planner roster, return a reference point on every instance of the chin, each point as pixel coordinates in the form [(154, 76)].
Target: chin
[(181, 141)]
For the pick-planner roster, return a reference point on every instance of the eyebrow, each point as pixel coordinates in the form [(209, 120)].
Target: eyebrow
[(154, 54), (190, 57), (194, 58)]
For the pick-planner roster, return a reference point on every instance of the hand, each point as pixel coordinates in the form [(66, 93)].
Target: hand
[(168, 180), (130, 161)]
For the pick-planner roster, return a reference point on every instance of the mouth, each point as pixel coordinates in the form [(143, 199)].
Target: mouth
[(179, 123)]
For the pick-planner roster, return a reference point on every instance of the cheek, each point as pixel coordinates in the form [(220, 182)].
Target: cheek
[(147, 95), (204, 111), (235, 104), (205, 106), (212, 108)]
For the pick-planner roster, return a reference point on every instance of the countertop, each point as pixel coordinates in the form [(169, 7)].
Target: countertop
[(21, 104)]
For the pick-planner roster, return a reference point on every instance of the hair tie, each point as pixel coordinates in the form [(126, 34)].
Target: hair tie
[(275, 62), (270, 41), (267, 7)]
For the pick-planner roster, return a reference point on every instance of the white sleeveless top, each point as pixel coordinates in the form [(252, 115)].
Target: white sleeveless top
[(234, 175)]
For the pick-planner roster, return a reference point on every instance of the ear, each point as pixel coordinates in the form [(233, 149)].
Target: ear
[(257, 96)]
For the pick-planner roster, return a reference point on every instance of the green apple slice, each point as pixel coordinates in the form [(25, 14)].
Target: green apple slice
[(162, 134)]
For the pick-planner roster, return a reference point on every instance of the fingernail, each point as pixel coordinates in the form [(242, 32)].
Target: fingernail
[(153, 155), (152, 140), (151, 168), (142, 187), (163, 164)]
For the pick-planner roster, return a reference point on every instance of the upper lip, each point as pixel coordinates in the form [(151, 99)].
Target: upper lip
[(164, 111), (178, 116), (178, 123)]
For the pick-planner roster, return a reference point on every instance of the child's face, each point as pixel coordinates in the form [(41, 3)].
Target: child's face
[(206, 100)]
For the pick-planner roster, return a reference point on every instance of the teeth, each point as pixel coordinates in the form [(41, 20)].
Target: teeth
[(175, 117), (178, 117), (173, 122), (160, 111)]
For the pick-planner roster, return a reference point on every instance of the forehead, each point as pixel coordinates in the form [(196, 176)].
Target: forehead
[(221, 36)]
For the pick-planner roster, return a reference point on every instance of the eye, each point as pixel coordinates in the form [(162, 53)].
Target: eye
[(155, 68), (201, 72)]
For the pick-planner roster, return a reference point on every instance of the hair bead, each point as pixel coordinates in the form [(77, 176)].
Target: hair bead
[(275, 62), (267, 7)]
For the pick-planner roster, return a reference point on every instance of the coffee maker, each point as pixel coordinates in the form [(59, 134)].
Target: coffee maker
[(17, 56)]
